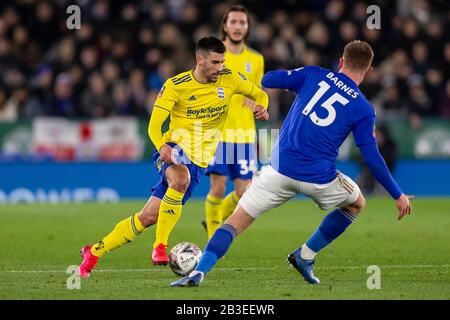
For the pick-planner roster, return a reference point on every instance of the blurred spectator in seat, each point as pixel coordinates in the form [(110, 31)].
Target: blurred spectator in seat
[(45, 27), (77, 78), (189, 18), (138, 92), (420, 57), (121, 99), (63, 105), (42, 92), (85, 35), (62, 55), (20, 42), (318, 36), (110, 73), (20, 96), (289, 47), (435, 36), (14, 78), (375, 39), (153, 58), (121, 53), (100, 14), (434, 85), (389, 103), (95, 100), (158, 15), (89, 60), (165, 70), (104, 45), (129, 19), (348, 31), (280, 20), (311, 58), (334, 12), (8, 110), (202, 31), (156, 79), (409, 33), (418, 100)]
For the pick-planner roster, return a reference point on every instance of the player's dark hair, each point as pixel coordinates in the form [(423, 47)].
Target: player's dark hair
[(234, 8), (210, 44), (358, 55)]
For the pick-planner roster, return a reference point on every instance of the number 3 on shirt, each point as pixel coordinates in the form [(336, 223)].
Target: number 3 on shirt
[(328, 105)]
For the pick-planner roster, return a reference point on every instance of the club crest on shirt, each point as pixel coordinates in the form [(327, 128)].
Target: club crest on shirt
[(220, 93), (248, 67)]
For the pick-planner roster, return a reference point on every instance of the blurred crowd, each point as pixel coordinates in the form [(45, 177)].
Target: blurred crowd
[(116, 63)]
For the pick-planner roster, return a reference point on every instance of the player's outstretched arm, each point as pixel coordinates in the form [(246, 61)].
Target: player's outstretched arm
[(363, 132), (380, 171), (277, 79), (284, 79)]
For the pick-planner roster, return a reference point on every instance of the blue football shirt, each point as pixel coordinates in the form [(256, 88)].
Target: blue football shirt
[(328, 107)]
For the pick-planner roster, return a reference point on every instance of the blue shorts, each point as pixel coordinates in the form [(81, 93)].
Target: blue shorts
[(160, 188), (236, 160)]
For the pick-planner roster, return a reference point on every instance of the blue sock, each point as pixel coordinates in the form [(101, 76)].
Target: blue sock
[(332, 226), (216, 248)]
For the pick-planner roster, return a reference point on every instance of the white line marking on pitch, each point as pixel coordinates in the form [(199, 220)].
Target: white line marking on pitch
[(228, 269)]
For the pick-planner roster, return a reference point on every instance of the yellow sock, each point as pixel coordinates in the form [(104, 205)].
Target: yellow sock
[(212, 214), (168, 215), (228, 205), (125, 231)]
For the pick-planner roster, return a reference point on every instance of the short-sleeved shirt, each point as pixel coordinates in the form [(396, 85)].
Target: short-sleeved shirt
[(240, 124)]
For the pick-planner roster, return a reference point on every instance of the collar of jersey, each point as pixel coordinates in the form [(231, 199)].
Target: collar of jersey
[(238, 54)]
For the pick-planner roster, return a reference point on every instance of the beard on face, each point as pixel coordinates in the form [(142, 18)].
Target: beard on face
[(235, 41), (209, 76)]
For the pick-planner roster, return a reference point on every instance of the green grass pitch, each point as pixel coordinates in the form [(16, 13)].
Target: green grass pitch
[(39, 242)]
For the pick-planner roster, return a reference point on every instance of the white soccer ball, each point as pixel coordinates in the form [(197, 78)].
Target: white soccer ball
[(184, 258)]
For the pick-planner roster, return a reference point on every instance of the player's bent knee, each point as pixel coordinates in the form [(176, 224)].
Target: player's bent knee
[(178, 178), (363, 202), (357, 206), (180, 184)]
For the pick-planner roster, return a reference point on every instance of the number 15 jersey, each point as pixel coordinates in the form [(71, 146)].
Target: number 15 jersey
[(327, 108)]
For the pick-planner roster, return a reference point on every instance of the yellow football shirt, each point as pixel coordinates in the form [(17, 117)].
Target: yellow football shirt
[(240, 124), (198, 111)]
